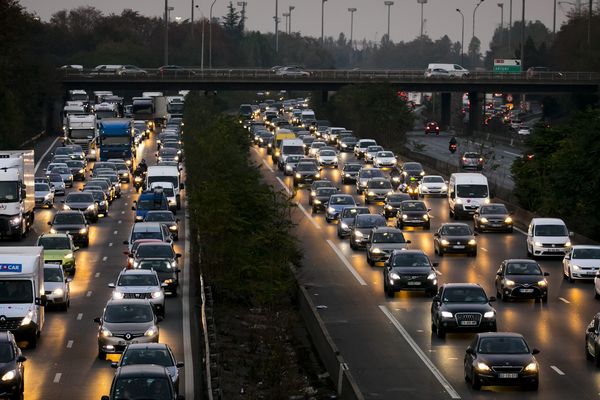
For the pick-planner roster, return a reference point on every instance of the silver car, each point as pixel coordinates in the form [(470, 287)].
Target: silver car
[(363, 177), (377, 189), (382, 243), (140, 284), (44, 195), (56, 286), (83, 202)]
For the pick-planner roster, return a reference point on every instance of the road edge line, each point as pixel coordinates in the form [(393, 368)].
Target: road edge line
[(346, 263), (187, 330), (39, 163)]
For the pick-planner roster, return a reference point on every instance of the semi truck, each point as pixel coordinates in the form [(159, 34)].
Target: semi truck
[(22, 298), (175, 107), (106, 110), (160, 106), (17, 192), (143, 108), (72, 108), (115, 139), (82, 130)]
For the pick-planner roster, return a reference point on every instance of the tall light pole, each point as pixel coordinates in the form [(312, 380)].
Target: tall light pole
[(276, 17), (323, 22), (389, 5), (291, 8), (462, 40), (192, 21), (352, 11), (287, 20), (243, 4), (210, 22), (422, 3), (510, 28), (474, 10), (589, 27), (523, 36), (166, 32), (501, 5), (554, 19)]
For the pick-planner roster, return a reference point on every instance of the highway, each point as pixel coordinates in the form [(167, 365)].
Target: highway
[(65, 363), (388, 343)]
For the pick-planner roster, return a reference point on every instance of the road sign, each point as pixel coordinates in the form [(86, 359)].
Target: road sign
[(507, 66), (509, 98)]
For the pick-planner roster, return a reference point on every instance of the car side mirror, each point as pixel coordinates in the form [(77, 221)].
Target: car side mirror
[(470, 350), (132, 208), (181, 186), (546, 273), (499, 273), (125, 242), (408, 242), (567, 257), (491, 299), (178, 255), (571, 234), (111, 285), (75, 248), (179, 364), (177, 220), (159, 318), (21, 359), (436, 299), (436, 234), (114, 364), (436, 264), (97, 320), (50, 223), (452, 195), (535, 351)]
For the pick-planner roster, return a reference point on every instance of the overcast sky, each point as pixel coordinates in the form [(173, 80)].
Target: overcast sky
[(370, 21)]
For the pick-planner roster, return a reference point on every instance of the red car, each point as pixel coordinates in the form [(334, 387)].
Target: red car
[(432, 127)]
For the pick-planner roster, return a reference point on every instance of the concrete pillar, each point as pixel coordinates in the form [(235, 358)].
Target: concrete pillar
[(446, 101), (324, 96), (474, 112)]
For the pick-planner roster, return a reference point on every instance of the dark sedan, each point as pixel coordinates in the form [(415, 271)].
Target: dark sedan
[(306, 172), (100, 198), (409, 270), (462, 307), (392, 202), (361, 231), (455, 238), (347, 216), (413, 169), (350, 172), (492, 217), (592, 340), (166, 217), (73, 223), (413, 213), (322, 183), (84, 202), (502, 359), (321, 199), (518, 279), (12, 369)]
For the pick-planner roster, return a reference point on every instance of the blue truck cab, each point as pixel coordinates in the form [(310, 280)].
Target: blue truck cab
[(150, 200), (115, 139)]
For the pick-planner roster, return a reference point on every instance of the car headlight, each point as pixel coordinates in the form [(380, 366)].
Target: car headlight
[(58, 292), (83, 231), (483, 220), (489, 314), (91, 207), (388, 207), (459, 201), (105, 332), (422, 173), (445, 242), (169, 281), (81, 171), (447, 314), (152, 331), (486, 201), (531, 367), (404, 216), (568, 244), (118, 295), (542, 283), (508, 220), (394, 276), (371, 193), (68, 256), (432, 276), (156, 295), (482, 367), (173, 227), (509, 282), (102, 203), (538, 244), (396, 179), (128, 162), (298, 176), (376, 250), (317, 175), (330, 210), (288, 168), (358, 234), (575, 267), (9, 376), (444, 187), (425, 217), (52, 230), (344, 225), (27, 319), (472, 242), (66, 207), (317, 201)]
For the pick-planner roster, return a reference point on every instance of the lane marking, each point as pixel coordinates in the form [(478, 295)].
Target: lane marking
[(57, 377), (256, 150), (512, 154), (558, 371), (520, 230), (426, 360), (37, 166), (282, 183), (110, 244), (125, 204), (564, 300), (310, 218), (79, 316), (104, 258), (69, 344), (115, 232), (122, 212), (88, 294), (484, 249), (268, 166), (188, 359), (120, 222), (346, 262), (97, 275)]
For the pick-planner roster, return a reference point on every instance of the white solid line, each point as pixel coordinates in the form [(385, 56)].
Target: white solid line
[(428, 363), (88, 294), (104, 258), (45, 154), (110, 244), (97, 275), (346, 262), (520, 231), (484, 249), (268, 166), (79, 316), (125, 204), (310, 218), (57, 377), (69, 344), (256, 150), (185, 305), (564, 300), (558, 371), (282, 183), (512, 154)]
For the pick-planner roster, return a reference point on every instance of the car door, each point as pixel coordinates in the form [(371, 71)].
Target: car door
[(567, 262), (592, 336), (470, 358), (435, 304), (530, 236)]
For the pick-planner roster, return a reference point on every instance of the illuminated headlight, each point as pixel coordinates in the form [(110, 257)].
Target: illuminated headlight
[(531, 367), (69, 256), (138, 179), (81, 171), (298, 176), (58, 292), (542, 283), (425, 217), (125, 174), (158, 141), (139, 218), (330, 210), (91, 207), (482, 367), (176, 158), (52, 230), (348, 175), (404, 216), (317, 201), (509, 282), (169, 281), (344, 225), (538, 244), (83, 231), (66, 207), (117, 295), (483, 220), (102, 203), (317, 175), (344, 145), (48, 196), (159, 158), (447, 314), (93, 152), (173, 264), (444, 187), (371, 193), (288, 168), (358, 234), (432, 276), (105, 332), (445, 242), (158, 294), (422, 173), (388, 207), (575, 267), (472, 242), (27, 319), (376, 250), (568, 244), (486, 201), (459, 201), (128, 162), (489, 314), (9, 376), (172, 201), (173, 227), (153, 331), (394, 276), (508, 220), (15, 220)]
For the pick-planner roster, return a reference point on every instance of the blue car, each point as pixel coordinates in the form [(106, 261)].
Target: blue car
[(337, 202), (148, 201)]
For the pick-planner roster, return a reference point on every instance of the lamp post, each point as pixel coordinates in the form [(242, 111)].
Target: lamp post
[(210, 21), (291, 8), (287, 19), (554, 19), (323, 22), (422, 2), (523, 36), (166, 32), (352, 11), (192, 21), (389, 5), (501, 5), (276, 18), (510, 27), (474, 10), (462, 40), (243, 4)]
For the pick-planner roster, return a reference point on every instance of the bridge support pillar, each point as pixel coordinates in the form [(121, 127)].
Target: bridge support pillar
[(324, 96), (474, 112), (446, 101)]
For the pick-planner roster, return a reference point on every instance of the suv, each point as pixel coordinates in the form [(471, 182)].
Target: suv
[(548, 237), (377, 189), (145, 381), (383, 241), (140, 284), (150, 200), (471, 160), (11, 364), (409, 270)]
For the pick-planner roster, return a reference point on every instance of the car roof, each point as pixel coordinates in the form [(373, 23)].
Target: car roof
[(6, 336), (52, 266), (520, 260), (585, 246), (138, 226), (148, 346), (128, 301), (385, 228), (58, 234), (542, 221), (500, 334), (137, 271), (454, 224), (141, 370), (68, 212), (462, 285)]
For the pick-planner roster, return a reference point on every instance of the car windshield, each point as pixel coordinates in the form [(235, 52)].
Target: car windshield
[(150, 204), (292, 150), (42, 187), (523, 269), (327, 153), (137, 280), (61, 170), (135, 356), (16, 291), (367, 143), (371, 173), (351, 212), (341, 200), (413, 206), (146, 235), (397, 198), (74, 164), (374, 149), (53, 275), (54, 243), (7, 353), (388, 237), (586, 254), (160, 216), (385, 154), (411, 260), (369, 221), (69, 219), (433, 179), (551, 230), (292, 159), (79, 198), (502, 345), (156, 265), (141, 388), (493, 209), (326, 192), (171, 179), (379, 184), (456, 230), (412, 167), (472, 191), (352, 167), (155, 250), (54, 178), (464, 295), (471, 155)]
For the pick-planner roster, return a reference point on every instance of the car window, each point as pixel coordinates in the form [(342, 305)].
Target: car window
[(341, 200), (124, 313), (137, 280), (155, 250), (379, 184), (523, 269), (326, 191), (456, 230), (147, 356), (69, 218), (433, 179), (586, 254), (369, 221), (411, 260), (142, 388), (53, 275), (502, 345), (551, 230), (54, 243), (464, 295), (413, 206), (495, 209), (388, 237)]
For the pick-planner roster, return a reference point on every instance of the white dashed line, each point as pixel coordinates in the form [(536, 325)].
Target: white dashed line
[(57, 377), (110, 244), (564, 300), (69, 344), (346, 263), (120, 222), (97, 275), (484, 249), (88, 294), (558, 371), (104, 258), (310, 218), (79, 316), (268, 166), (122, 212), (512, 154), (115, 232), (287, 189), (45, 154)]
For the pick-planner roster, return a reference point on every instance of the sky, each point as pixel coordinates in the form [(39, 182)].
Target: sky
[(370, 19)]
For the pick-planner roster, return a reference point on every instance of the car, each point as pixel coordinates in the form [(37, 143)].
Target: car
[(363, 177), (327, 158), (126, 321), (346, 144), (142, 382), (346, 219), (59, 249), (462, 307), (471, 160), (77, 168), (99, 198), (501, 359), (455, 238), (437, 73), (148, 230), (131, 70), (433, 185), (412, 170), (149, 200), (290, 163), (361, 147), (337, 203), (321, 183), (167, 274), (151, 353), (57, 182), (167, 154), (140, 284), (155, 250), (104, 185), (84, 202), (383, 241), (371, 152), (377, 189), (56, 287), (432, 127), (112, 178), (292, 71), (350, 172), (123, 170), (165, 217), (362, 227), (518, 279), (175, 71), (413, 213), (306, 172), (71, 222), (492, 217), (320, 200), (582, 262), (409, 270), (64, 171), (548, 237), (44, 195), (384, 159), (524, 130), (392, 202), (11, 365), (592, 340), (314, 148)]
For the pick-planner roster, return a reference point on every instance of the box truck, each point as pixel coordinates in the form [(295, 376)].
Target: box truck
[(17, 192)]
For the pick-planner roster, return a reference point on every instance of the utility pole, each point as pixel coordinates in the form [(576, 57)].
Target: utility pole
[(510, 28), (287, 20), (291, 8), (352, 11), (389, 5), (474, 10), (276, 26), (192, 21), (523, 36), (323, 22), (554, 20), (166, 32), (589, 38), (210, 36), (462, 40), (422, 3), (501, 5)]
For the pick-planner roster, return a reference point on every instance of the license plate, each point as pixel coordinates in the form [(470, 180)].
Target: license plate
[(592, 273), (459, 247), (468, 323), (526, 290), (53, 262), (554, 250), (508, 375), (414, 283)]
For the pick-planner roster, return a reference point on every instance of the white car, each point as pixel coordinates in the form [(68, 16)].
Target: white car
[(44, 195), (140, 284), (56, 286), (371, 152), (53, 165), (328, 158), (384, 159), (583, 262), (433, 185), (292, 71), (548, 237), (315, 147), (524, 130)]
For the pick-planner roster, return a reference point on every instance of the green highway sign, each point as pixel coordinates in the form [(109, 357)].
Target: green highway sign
[(507, 66)]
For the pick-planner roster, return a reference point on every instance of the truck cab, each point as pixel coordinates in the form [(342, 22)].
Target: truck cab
[(115, 137), (17, 192)]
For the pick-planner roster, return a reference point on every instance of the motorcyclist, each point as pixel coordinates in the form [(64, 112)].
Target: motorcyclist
[(142, 166), (452, 144)]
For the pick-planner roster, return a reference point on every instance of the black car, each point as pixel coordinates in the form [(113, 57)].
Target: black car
[(413, 213), (492, 217), (12, 369), (462, 307), (73, 223), (322, 183), (350, 172), (392, 202), (321, 198), (501, 359), (346, 144), (409, 270), (142, 382), (100, 198), (455, 238), (521, 279), (346, 222), (362, 227), (413, 169), (77, 168), (306, 172), (167, 274), (167, 218)]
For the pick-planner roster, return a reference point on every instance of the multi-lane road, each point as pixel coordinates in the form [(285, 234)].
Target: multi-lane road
[(65, 363), (388, 343)]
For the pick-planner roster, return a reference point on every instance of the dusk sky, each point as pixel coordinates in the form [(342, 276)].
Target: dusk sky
[(370, 21)]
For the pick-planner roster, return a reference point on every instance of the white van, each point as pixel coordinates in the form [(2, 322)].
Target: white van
[(163, 173), (22, 294), (454, 70), (289, 147), (548, 237), (466, 192)]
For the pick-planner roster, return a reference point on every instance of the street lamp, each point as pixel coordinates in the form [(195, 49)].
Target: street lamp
[(243, 4), (210, 21), (501, 5), (475, 9), (287, 19), (166, 32), (462, 40), (523, 36), (389, 5), (422, 2), (291, 8), (276, 18), (323, 22), (352, 11)]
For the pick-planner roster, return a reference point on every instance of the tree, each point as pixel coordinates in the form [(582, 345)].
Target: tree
[(474, 52), (231, 21)]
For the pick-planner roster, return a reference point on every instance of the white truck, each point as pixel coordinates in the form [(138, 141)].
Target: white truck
[(161, 173), (82, 130), (160, 107), (106, 110), (22, 294), (175, 106), (17, 192), (72, 108)]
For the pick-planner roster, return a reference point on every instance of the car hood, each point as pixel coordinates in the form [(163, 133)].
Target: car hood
[(69, 228), (464, 239), (412, 270), (495, 216), (55, 253), (386, 159), (466, 307), (41, 194), (15, 310), (552, 239), (390, 246), (525, 279), (328, 158), (76, 204), (433, 184), (50, 286), (322, 199), (380, 190), (137, 289), (339, 207), (414, 213), (506, 359), (128, 327)]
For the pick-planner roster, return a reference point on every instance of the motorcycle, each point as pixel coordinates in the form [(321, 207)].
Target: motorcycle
[(138, 181), (452, 148), (413, 191)]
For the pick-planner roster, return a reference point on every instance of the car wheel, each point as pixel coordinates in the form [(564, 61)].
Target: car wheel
[(597, 356), (427, 226), (475, 382), (440, 252), (439, 331), (466, 375), (533, 386), (504, 298), (32, 342), (570, 277), (101, 354), (174, 291), (588, 356), (388, 292), (352, 246), (313, 211), (369, 260), (545, 299)]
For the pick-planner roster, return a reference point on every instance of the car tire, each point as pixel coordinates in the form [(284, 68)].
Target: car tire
[(440, 252), (352, 246), (101, 354), (313, 211), (440, 332), (570, 277), (427, 226), (369, 260), (545, 299), (533, 386), (511, 230), (588, 356), (504, 298), (388, 292), (475, 382)]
